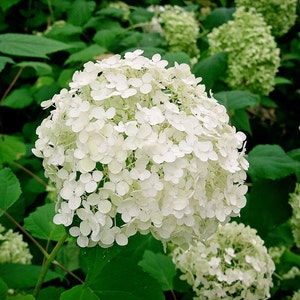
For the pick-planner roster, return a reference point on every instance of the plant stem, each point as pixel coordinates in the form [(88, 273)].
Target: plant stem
[(38, 179), (11, 85), (47, 264)]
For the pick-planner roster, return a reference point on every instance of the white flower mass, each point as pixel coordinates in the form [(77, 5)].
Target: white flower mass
[(134, 146)]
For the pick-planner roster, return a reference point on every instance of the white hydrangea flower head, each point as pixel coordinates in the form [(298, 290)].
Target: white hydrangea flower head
[(232, 264), (253, 55), (280, 15), (12, 248), (295, 219), (178, 26), (296, 295), (135, 146)]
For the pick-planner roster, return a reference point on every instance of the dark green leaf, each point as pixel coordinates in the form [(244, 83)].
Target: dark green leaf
[(218, 17), (5, 60), (6, 4), (140, 15), (267, 205), (121, 275), (29, 45), (239, 118), (79, 292), (211, 69), (270, 162), (80, 12), (11, 148), (3, 289), (40, 68), (62, 30), (179, 57), (151, 39), (267, 102), (18, 276), (282, 80), (105, 37), (113, 12), (160, 267), (10, 189), (50, 293), (40, 223), (22, 297), (237, 99), (86, 54), (18, 99)]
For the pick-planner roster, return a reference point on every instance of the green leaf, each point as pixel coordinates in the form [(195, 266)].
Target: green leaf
[(270, 162), (267, 102), (105, 37), (5, 60), (50, 293), (122, 276), (10, 189), (80, 12), (86, 54), (237, 99), (282, 80), (22, 297), (179, 57), (3, 289), (19, 276), (211, 69), (160, 267), (62, 30), (11, 149), (6, 4), (40, 67), (79, 292), (18, 99), (140, 15), (267, 206), (40, 223), (239, 118), (29, 45), (218, 17)]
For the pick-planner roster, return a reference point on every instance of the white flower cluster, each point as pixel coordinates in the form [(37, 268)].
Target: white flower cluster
[(295, 219), (178, 26), (253, 55), (134, 146), (232, 264), (12, 248), (280, 15)]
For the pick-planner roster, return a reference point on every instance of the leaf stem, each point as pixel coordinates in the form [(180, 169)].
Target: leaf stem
[(11, 85), (38, 179), (47, 264)]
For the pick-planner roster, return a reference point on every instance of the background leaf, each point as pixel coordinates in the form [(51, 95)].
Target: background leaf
[(10, 189), (40, 223), (29, 45), (19, 98), (211, 69), (80, 12), (5, 60), (270, 162), (18, 276), (160, 267), (79, 292), (11, 149)]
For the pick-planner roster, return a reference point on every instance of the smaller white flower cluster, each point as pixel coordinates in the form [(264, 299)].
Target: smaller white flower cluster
[(138, 147), (295, 219), (280, 15), (12, 248), (253, 55), (232, 264), (178, 26)]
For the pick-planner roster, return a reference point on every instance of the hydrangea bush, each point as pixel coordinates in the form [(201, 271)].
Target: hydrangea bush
[(295, 220), (12, 248), (280, 15), (134, 146), (178, 26), (232, 264), (253, 55)]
